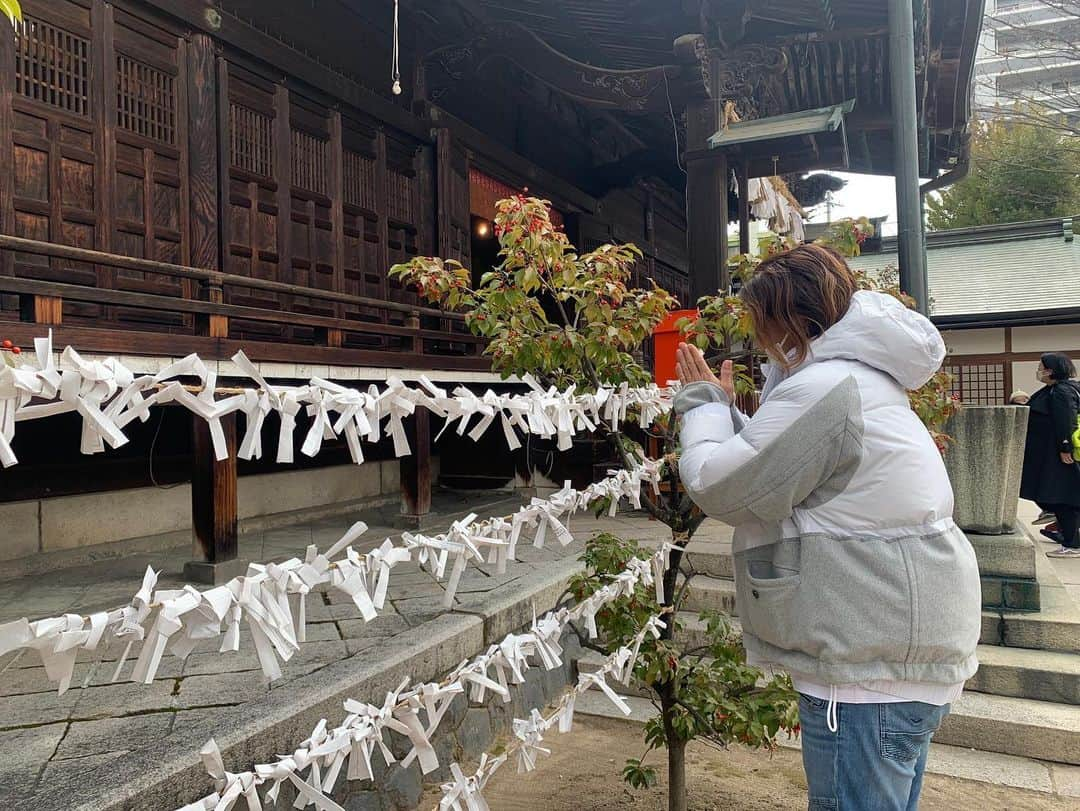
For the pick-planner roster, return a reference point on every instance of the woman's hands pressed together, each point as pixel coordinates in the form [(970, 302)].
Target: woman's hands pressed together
[(690, 366)]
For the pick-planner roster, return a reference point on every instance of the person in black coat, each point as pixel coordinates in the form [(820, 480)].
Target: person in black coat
[(1051, 476)]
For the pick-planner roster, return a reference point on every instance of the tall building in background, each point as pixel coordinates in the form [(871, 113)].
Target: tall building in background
[(1029, 53)]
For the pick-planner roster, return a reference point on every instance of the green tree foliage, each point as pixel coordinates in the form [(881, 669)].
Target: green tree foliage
[(1019, 172)]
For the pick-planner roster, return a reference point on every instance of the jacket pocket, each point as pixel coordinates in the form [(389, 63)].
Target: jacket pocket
[(766, 592), (839, 601)]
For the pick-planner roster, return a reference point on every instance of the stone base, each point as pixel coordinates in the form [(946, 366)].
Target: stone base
[(1007, 594), (1007, 569), (214, 574), (1011, 555), (416, 522)]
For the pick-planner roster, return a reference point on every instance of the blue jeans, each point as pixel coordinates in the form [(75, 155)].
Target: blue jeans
[(876, 758)]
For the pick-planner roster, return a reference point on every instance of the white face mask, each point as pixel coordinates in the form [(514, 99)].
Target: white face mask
[(1044, 376)]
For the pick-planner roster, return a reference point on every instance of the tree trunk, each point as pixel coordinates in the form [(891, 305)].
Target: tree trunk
[(676, 749), (676, 776)]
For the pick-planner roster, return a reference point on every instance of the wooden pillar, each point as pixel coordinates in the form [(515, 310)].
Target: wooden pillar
[(707, 205), (416, 469), (744, 207), (203, 144), (337, 209), (213, 506), (213, 483), (7, 151)]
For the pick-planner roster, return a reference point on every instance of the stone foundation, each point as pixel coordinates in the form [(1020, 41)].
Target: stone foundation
[(1007, 569), (48, 533), (467, 731)]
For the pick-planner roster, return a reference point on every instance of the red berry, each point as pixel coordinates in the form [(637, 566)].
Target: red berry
[(7, 344), (15, 350)]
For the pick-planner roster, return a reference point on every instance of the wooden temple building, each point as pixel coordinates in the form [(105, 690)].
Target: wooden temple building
[(185, 176)]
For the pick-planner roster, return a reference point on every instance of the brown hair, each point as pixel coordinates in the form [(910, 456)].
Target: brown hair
[(797, 295)]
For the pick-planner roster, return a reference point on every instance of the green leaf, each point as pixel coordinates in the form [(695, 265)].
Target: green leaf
[(638, 776)]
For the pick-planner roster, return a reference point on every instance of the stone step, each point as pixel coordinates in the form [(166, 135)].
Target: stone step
[(1023, 673), (1014, 726), (693, 633), (711, 594), (1055, 627)]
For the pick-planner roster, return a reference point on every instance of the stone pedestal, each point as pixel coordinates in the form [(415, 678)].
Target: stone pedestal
[(1007, 570), (984, 462)]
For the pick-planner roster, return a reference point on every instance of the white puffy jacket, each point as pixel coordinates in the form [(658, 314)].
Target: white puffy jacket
[(848, 566)]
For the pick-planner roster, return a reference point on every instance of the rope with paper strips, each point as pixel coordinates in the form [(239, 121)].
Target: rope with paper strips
[(356, 739), (175, 620), (109, 396)]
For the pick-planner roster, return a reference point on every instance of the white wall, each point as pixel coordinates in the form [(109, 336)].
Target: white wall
[(67, 524), (1057, 338), (975, 341)]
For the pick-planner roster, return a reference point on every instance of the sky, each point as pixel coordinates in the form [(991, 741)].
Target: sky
[(863, 196)]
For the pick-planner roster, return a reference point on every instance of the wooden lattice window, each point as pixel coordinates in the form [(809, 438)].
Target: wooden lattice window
[(52, 66), (145, 100), (399, 192), (309, 161), (251, 140), (359, 180), (979, 383)]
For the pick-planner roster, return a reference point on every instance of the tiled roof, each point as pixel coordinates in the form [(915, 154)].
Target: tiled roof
[(996, 269)]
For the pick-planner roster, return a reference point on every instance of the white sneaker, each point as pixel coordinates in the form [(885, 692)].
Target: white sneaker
[(1045, 517), (1064, 552)]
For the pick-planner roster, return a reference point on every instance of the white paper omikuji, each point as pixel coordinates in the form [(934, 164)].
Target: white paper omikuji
[(108, 397), (466, 792), (416, 713), (271, 598)]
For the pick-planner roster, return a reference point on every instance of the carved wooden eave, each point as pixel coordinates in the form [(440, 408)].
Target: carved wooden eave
[(645, 90)]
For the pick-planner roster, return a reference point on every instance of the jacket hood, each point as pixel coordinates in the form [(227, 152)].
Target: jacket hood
[(881, 332)]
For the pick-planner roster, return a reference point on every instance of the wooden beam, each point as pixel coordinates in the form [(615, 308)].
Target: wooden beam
[(7, 152), (283, 175), (648, 90), (743, 175), (108, 340), (205, 119), (337, 209), (50, 249), (707, 207), (213, 504), (416, 468), (103, 96)]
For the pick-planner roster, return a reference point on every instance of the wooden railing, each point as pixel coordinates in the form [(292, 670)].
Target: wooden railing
[(426, 338)]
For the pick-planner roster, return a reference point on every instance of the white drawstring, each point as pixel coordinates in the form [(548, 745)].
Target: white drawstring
[(832, 718)]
